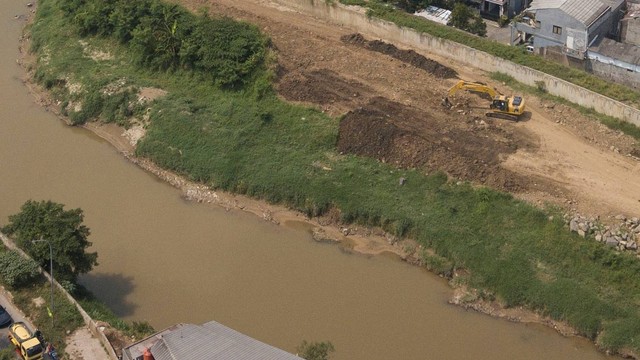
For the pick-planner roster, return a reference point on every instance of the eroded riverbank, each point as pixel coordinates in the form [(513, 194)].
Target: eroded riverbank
[(265, 212)]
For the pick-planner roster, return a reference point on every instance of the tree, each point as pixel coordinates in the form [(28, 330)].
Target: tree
[(62, 228), (315, 350), (464, 19), (460, 16), (16, 270)]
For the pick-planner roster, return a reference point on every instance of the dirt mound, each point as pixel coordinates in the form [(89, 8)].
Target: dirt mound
[(562, 157), (402, 136), (407, 56), (320, 86)]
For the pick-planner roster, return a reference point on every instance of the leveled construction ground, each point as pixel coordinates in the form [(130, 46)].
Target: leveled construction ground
[(391, 99)]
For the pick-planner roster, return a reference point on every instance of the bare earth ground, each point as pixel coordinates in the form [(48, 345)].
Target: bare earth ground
[(393, 113), (390, 99), (81, 345)]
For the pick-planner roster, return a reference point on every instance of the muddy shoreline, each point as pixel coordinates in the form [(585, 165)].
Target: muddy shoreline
[(357, 239)]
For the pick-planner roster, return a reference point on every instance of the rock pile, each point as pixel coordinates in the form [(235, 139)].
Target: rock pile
[(623, 236)]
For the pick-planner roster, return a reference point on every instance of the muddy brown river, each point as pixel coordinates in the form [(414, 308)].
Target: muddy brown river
[(166, 260)]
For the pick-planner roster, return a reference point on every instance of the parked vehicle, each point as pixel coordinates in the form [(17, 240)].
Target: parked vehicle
[(51, 352), (23, 339), (5, 318)]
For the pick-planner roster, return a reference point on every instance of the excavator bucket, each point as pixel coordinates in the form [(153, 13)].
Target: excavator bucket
[(446, 103)]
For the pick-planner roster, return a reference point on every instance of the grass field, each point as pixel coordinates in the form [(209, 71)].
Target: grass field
[(249, 142)]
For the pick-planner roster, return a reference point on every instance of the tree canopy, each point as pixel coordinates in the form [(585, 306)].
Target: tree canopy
[(465, 19), (64, 230)]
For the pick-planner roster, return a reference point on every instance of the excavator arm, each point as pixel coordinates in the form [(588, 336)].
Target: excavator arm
[(501, 106), (472, 86)]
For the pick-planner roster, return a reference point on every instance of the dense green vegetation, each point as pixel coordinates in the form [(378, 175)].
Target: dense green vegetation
[(247, 141), (68, 236), (67, 318), (17, 271), (61, 229), (517, 55)]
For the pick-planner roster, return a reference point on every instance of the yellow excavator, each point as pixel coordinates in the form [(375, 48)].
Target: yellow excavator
[(507, 107)]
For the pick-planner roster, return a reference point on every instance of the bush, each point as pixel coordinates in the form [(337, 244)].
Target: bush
[(315, 350), (16, 270), (503, 20)]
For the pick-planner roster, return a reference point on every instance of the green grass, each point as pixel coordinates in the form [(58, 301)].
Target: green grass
[(100, 312), (66, 316), (267, 149)]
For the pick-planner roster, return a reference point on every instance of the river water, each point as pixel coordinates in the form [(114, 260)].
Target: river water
[(165, 260)]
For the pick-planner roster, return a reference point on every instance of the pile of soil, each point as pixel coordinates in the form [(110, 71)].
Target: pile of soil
[(407, 56), (390, 102), (400, 135)]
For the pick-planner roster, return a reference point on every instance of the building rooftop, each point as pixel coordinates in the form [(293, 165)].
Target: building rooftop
[(208, 341), (436, 14), (627, 53), (585, 11)]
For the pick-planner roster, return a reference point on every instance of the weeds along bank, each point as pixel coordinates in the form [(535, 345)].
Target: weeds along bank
[(73, 307), (221, 124)]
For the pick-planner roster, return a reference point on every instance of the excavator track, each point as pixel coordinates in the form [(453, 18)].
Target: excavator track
[(505, 116)]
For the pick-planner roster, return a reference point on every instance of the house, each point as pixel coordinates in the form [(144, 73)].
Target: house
[(494, 9), (202, 342), (570, 25), (615, 61), (630, 25)]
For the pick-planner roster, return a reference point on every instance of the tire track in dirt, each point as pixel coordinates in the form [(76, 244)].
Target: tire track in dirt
[(534, 159)]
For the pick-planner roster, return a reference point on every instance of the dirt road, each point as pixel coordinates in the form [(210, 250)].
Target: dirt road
[(391, 102)]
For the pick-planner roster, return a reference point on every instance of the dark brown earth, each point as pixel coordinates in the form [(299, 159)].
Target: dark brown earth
[(389, 100), (407, 56)]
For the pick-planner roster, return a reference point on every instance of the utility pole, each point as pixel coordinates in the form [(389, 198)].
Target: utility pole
[(50, 273)]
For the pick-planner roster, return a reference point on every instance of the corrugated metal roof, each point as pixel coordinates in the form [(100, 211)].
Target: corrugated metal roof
[(436, 14), (214, 341), (585, 11), (546, 4)]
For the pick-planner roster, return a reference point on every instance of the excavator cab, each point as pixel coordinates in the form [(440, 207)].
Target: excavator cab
[(499, 104)]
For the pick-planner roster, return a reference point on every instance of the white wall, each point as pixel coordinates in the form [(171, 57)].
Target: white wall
[(355, 17)]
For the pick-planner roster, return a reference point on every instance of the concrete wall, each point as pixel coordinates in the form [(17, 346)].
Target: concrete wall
[(630, 32), (615, 73), (87, 319), (355, 17)]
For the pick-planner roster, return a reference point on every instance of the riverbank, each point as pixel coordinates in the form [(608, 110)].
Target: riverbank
[(359, 239), (201, 193)]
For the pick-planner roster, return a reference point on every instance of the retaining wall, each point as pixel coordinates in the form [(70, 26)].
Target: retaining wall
[(355, 17), (91, 324)]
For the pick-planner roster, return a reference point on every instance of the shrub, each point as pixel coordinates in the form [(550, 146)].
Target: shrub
[(315, 350), (16, 270)]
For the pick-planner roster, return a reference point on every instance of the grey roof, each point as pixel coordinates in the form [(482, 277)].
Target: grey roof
[(585, 11), (214, 341), (627, 53)]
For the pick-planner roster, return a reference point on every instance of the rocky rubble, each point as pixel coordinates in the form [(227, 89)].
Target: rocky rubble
[(624, 235)]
